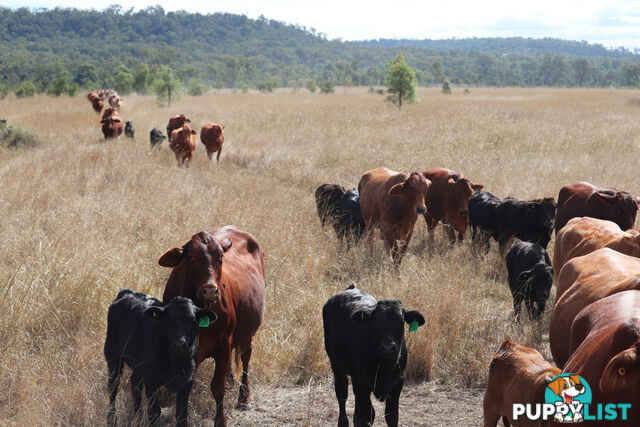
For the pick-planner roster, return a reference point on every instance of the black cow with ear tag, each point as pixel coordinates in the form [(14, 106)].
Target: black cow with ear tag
[(158, 342), (364, 339)]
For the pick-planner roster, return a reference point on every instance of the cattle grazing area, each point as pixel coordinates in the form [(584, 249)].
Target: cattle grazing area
[(82, 216)]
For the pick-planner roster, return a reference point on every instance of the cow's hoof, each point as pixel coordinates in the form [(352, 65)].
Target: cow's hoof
[(243, 406)]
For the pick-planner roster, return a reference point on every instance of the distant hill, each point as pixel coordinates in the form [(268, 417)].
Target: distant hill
[(92, 47), (519, 45)]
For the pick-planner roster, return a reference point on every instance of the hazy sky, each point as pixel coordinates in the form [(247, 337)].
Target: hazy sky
[(610, 22)]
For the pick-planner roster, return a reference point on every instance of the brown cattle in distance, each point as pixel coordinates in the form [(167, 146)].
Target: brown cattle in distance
[(448, 201), (391, 201), (108, 112), (115, 102), (584, 199), (183, 144), (221, 270), (605, 351), (112, 127), (212, 137), (583, 235), (517, 374), (583, 281), (176, 122)]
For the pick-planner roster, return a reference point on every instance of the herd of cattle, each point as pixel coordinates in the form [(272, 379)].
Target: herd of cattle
[(182, 138), (214, 298)]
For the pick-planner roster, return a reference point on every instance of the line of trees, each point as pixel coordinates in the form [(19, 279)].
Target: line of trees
[(65, 50)]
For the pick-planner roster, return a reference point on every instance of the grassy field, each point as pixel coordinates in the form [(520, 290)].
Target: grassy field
[(81, 218)]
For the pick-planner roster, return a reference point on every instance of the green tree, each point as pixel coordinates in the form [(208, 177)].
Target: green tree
[(436, 71), (446, 87), (326, 86), (310, 84), (25, 90), (124, 83), (142, 80), (73, 89), (167, 86), (581, 68), (269, 85), (231, 69), (631, 75), (58, 86), (400, 81), (196, 87)]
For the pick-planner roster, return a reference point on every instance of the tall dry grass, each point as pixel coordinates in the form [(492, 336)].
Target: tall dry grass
[(81, 218)]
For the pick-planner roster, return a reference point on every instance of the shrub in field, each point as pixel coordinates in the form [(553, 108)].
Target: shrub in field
[(310, 84), (14, 137), (196, 87), (326, 86), (25, 90), (446, 87)]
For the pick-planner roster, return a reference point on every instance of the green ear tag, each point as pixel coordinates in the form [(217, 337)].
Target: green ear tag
[(204, 322), (413, 326)]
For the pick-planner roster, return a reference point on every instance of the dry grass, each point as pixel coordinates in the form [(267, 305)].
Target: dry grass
[(80, 218)]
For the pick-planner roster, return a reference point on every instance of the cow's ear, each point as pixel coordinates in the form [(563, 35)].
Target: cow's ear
[(221, 126), (187, 120), (203, 312), (451, 181), (362, 316), (622, 371), (154, 312), (164, 138), (532, 205), (638, 200), (410, 316), (193, 132), (524, 276), (396, 190), (116, 120), (477, 187), (172, 258), (103, 122), (226, 244), (606, 199)]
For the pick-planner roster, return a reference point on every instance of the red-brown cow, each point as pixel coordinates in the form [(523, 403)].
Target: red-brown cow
[(108, 112), (96, 102), (112, 127), (212, 137), (448, 201), (583, 281), (517, 374), (584, 199), (392, 201), (222, 270), (183, 144), (605, 351), (115, 102), (583, 235), (176, 122)]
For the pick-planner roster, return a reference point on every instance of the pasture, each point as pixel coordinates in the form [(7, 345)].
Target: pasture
[(81, 218)]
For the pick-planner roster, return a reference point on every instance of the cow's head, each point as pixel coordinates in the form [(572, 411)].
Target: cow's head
[(622, 207), (184, 133), (622, 371), (537, 283), (544, 211), (200, 264), (463, 189), (386, 322), (184, 118), (180, 319), (413, 190)]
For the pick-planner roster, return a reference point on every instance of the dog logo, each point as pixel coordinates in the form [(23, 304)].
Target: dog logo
[(569, 393)]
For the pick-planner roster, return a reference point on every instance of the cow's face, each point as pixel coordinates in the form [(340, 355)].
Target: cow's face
[(623, 370), (185, 133), (537, 283), (180, 318), (413, 190), (463, 189), (200, 260)]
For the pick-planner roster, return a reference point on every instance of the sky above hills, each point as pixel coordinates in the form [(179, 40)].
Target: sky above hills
[(613, 23)]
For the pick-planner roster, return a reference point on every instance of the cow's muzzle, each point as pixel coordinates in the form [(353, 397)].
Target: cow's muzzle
[(421, 209), (208, 294)]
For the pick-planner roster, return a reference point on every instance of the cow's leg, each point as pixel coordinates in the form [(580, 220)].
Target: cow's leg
[(244, 395), (391, 405), (182, 404), (505, 243), (452, 234), (364, 413), (431, 226), (341, 385), (218, 155), (115, 371), (153, 406), (136, 393), (222, 359), (517, 303)]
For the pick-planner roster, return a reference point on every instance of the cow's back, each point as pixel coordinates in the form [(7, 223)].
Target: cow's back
[(243, 275)]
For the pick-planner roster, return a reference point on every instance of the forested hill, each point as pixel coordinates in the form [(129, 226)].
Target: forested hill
[(92, 48), (511, 45)]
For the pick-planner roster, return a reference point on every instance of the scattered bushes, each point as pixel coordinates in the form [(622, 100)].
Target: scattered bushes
[(15, 137)]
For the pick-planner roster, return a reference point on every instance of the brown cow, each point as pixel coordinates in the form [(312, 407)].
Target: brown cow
[(583, 235), (183, 144), (222, 270), (517, 374), (391, 201), (585, 280), (115, 102), (584, 199), (605, 351), (96, 102), (108, 112), (448, 201), (212, 137), (176, 122), (112, 127)]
